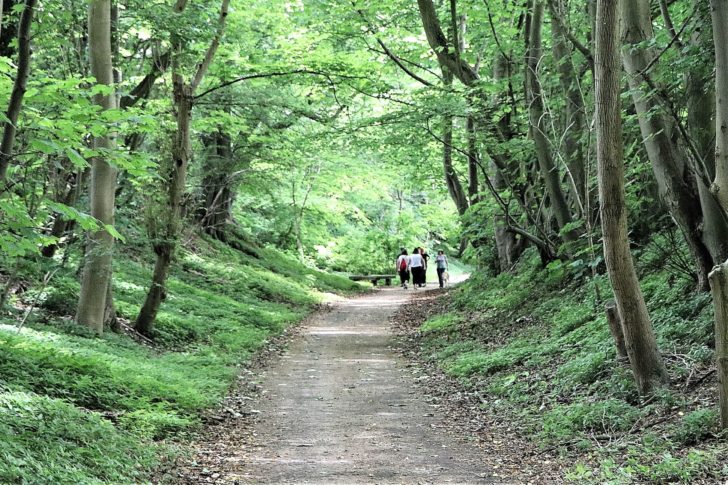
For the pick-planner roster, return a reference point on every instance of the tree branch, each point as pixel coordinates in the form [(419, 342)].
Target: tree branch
[(207, 60)]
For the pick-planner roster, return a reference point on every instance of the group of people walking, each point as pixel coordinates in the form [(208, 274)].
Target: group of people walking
[(416, 265)]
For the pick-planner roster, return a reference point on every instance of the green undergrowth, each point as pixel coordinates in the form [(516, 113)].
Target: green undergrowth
[(75, 408), (537, 347)]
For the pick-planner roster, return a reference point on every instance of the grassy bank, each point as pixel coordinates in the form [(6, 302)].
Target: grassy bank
[(535, 345), (75, 408)]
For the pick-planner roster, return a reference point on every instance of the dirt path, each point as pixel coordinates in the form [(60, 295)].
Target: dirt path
[(341, 407)]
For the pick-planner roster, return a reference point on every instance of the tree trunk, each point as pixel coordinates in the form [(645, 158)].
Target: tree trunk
[(157, 292), (615, 328), (97, 269), (19, 87), (719, 14), (677, 186), (473, 161), (183, 96), (454, 186), (719, 289), (647, 366), (176, 180), (538, 126), (701, 125), (217, 189), (574, 123)]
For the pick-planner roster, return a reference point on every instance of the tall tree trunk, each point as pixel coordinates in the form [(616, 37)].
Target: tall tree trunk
[(719, 15), (574, 122), (16, 97), (538, 126), (176, 179), (701, 125), (217, 190), (183, 97), (473, 161), (97, 269), (454, 186), (719, 289), (505, 240), (677, 185), (646, 362)]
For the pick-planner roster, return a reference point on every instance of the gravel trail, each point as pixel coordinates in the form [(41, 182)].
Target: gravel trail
[(341, 406)]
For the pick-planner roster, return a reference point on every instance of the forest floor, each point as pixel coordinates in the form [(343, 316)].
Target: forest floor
[(343, 404)]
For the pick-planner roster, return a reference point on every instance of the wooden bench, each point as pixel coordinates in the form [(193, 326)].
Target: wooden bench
[(374, 278)]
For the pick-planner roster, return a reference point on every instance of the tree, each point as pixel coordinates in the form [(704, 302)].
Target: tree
[(166, 241), (647, 366), (677, 184), (719, 15), (21, 78), (97, 270)]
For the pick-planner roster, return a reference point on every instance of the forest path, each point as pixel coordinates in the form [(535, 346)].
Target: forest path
[(341, 406)]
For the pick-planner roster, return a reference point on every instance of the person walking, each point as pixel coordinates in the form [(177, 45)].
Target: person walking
[(442, 267), (425, 262), (402, 266), (417, 266)]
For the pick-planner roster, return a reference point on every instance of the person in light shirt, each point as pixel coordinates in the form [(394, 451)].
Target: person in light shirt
[(417, 266), (402, 267)]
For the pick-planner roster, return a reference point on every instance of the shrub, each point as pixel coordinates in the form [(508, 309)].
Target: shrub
[(605, 416), (696, 426)]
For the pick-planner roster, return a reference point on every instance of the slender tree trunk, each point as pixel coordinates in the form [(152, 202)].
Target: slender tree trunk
[(719, 15), (719, 288), (701, 125), (538, 126), (217, 186), (646, 362), (97, 268), (574, 124), (177, 177), (19, 87), (183, 96), (473, 160), (677, 186), (454, 186)]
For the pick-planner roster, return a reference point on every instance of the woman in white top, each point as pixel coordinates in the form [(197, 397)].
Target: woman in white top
[(402, 266), (417, 266)]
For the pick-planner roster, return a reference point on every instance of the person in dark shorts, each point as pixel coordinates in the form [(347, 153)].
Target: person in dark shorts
[(417, 266), (402, 267)]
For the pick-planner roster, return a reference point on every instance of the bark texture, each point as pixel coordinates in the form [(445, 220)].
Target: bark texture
[(719, 289), (19, 88), (573, 119), (615, 328), (719, 15), (700, 91), (538, 126), (97, 269), (677, 185), (646, 362), (176, 178)]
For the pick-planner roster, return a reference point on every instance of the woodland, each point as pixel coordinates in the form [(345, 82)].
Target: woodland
[(181, 181)]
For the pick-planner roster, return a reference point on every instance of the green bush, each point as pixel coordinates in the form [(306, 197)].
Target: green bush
[(696, 426), (606, 416)]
